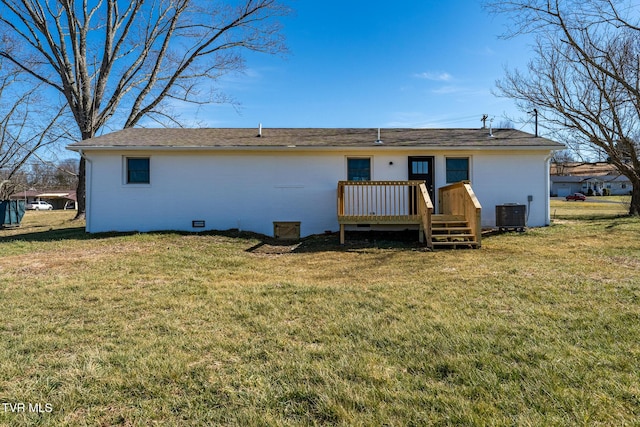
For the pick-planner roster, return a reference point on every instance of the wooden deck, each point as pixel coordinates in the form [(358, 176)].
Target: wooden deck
[(408, 203)]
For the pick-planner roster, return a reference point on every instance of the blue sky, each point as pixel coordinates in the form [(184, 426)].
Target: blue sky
[(357, 63)]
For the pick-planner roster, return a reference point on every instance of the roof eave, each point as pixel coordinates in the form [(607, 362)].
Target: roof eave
[(389, 147)]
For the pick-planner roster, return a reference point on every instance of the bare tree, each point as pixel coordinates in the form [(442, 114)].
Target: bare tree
[(585, 76), (506, 124), (115, 62), (27, 124), (561, 159), (48, 175)]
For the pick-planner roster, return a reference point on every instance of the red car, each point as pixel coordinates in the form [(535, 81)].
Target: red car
[(576, 196)]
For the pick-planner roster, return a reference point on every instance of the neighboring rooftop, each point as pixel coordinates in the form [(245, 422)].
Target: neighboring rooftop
[(312, 137), (583, 169), (49, 194), (585, 178)]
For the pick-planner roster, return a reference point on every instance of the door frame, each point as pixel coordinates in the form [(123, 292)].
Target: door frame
[(430, 176)]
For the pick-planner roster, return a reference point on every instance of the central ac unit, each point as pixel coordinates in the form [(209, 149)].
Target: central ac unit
[(511, 216)]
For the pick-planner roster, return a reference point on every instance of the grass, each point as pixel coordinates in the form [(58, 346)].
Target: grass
[(592, 208), (538, 328)]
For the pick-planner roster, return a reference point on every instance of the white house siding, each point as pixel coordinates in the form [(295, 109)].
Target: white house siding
[(225, 190), (250, 190), (500, 179), (620, 188)]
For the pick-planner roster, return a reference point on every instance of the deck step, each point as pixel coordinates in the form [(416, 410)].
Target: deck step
[(454, 245), (445, 242), (440, 217), (452, 231), (452, 236), (447, 225), (449, 229)]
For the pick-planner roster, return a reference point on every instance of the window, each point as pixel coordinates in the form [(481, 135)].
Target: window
[(419, 167), (457, 169), (138, 170), (359, 169)]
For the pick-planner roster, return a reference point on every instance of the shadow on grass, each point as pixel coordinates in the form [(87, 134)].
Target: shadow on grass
[(355, 240), (591, 217), (613, 223), (49, 234), (52, 235)]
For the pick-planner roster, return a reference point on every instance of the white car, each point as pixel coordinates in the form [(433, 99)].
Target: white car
[(40, 205)]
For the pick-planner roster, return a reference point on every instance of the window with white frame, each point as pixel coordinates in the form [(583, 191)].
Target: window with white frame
[(359, 169), (457, 169), (138, 170)]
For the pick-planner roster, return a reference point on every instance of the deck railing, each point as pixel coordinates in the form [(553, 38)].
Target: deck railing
[(384, 202), (459, 199), (425, 209)]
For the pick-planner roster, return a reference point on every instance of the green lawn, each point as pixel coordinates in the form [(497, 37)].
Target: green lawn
[(593, 208), (535, 328)]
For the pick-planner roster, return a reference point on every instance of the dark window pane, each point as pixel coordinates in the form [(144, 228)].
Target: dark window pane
[(359, 169), (138, 171), (457, 170)]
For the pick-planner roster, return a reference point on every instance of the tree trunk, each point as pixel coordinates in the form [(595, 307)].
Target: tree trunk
[(634, 207), (81, 193), (81, 190)]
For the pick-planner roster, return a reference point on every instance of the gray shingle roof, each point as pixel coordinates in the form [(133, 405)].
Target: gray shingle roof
[(568, 178), (584, 178), (313, 137)]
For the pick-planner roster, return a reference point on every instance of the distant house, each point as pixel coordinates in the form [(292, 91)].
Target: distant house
[(59, 199), (576, 177), (315, 179), (28, 196), (617, 185)]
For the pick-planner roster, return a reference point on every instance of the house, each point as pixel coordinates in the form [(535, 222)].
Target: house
[(562, 186), (617, 185), (587, 178), (59, 199), (29, 196), (259, 179), (582, 168)]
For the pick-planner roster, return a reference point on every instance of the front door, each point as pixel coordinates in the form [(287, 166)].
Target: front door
[(421, 168)]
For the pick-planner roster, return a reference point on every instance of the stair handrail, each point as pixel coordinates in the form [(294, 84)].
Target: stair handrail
[(425, 210), (459, 199)]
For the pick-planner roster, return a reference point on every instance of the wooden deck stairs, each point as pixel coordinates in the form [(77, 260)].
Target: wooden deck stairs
[(387, 203), (452, 231)]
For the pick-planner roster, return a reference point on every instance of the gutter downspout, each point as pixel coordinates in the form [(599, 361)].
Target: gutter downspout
[(87, 188), (547, 206)]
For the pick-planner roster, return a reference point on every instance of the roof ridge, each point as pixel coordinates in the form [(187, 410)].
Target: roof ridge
[(312, 137)]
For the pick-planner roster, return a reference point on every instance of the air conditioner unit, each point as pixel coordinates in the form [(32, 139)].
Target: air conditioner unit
[(511, 216)]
